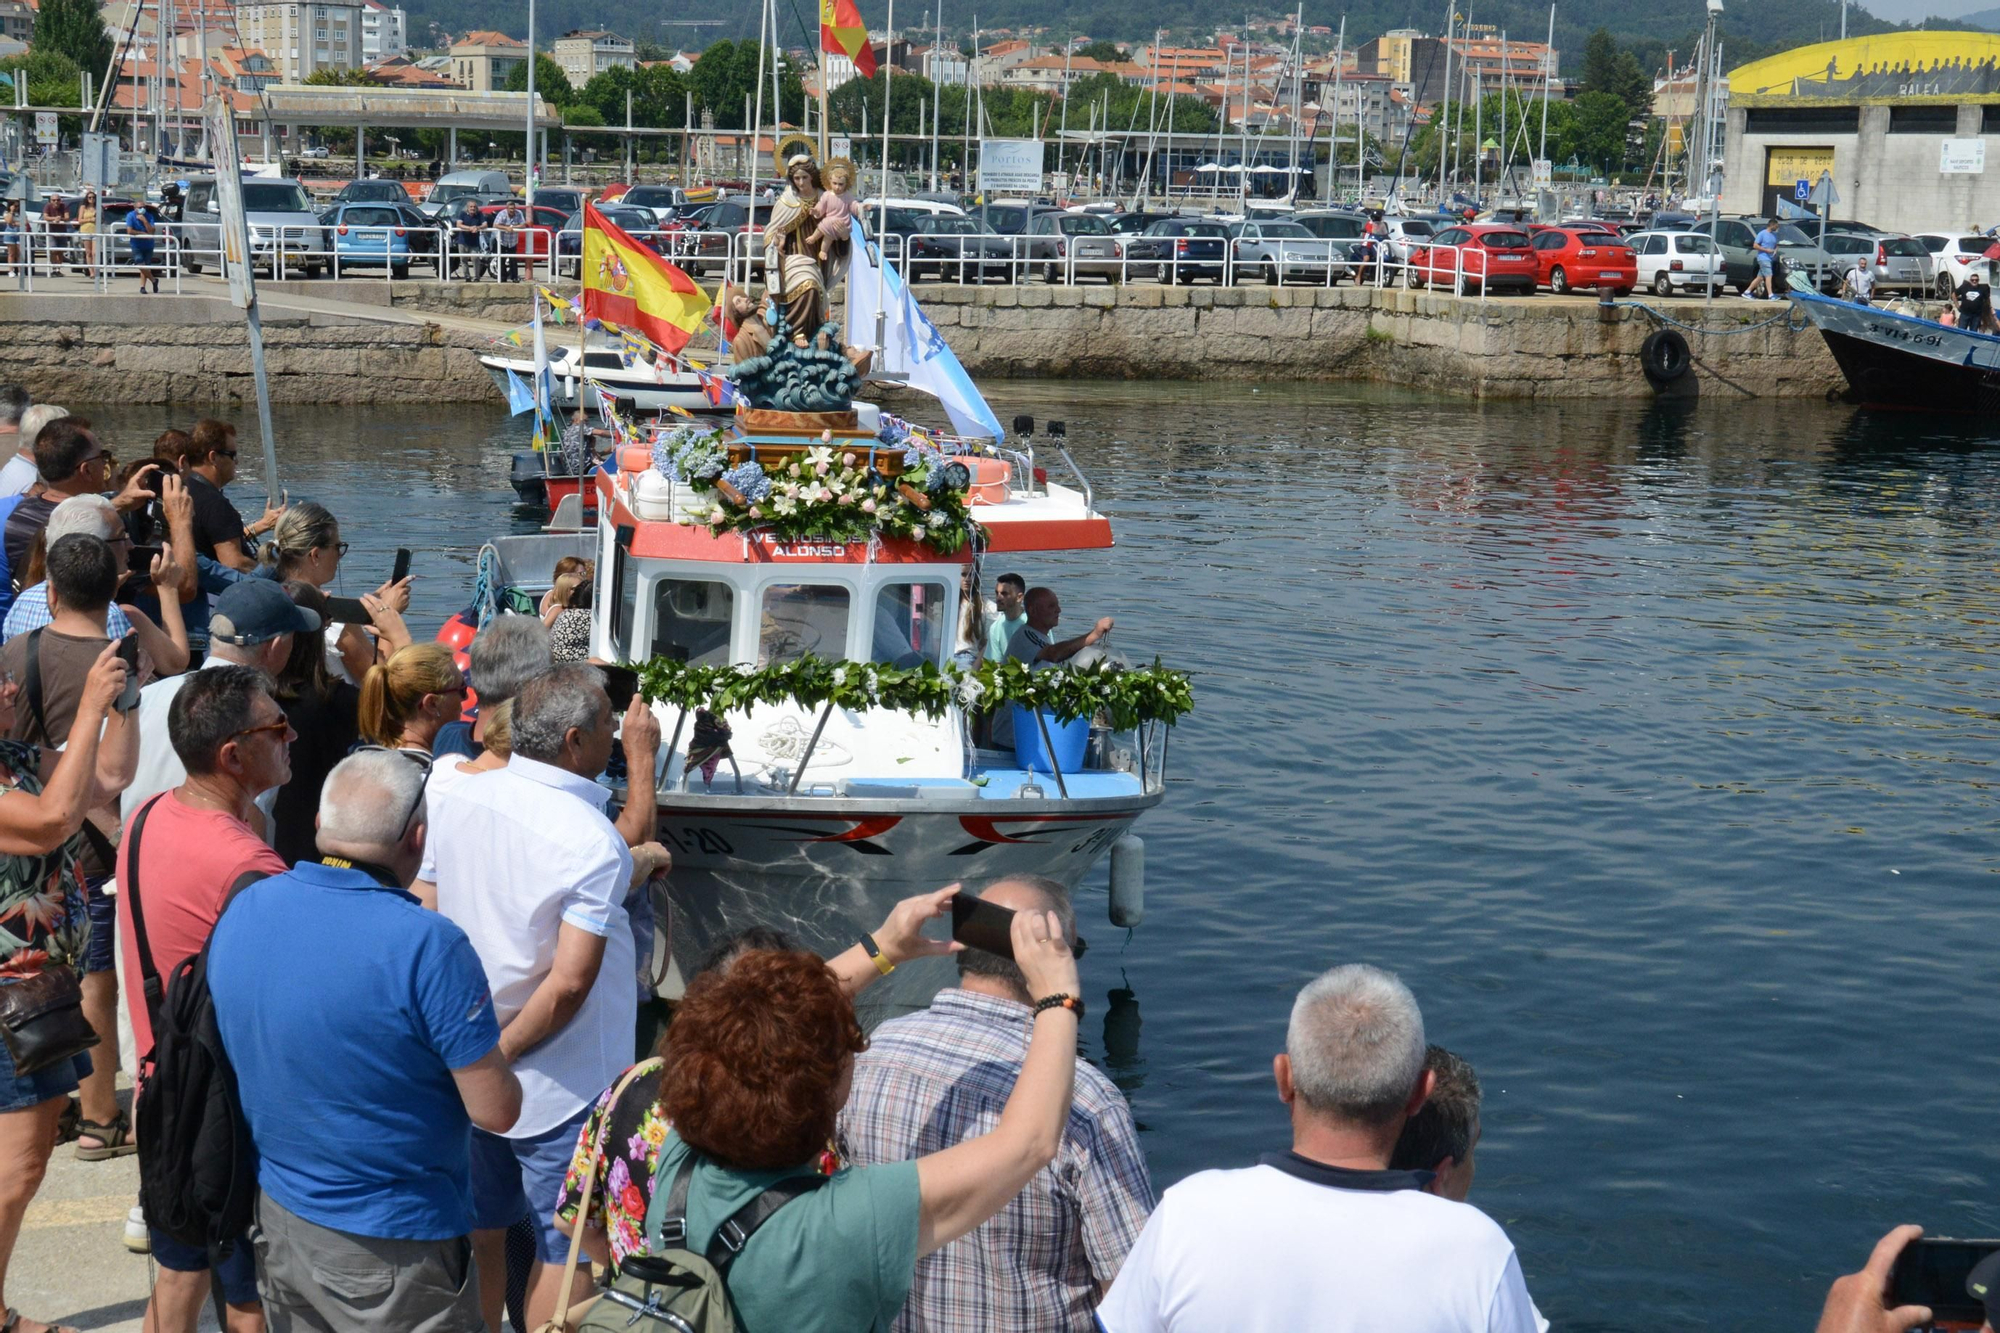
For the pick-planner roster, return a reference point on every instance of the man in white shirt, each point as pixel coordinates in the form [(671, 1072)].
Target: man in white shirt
[(529, 867), (19, 474), (1325, 1238)]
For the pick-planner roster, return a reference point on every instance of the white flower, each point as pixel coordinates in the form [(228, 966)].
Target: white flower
[(939, 520), (840, 675), (716, 515), (819, 457), (785, 505), (969, 691)]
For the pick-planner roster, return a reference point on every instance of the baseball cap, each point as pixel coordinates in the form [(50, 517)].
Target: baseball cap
[(256, 611), (1983, 1285)]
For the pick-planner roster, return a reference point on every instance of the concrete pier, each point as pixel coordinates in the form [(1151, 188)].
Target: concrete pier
[(418, 341)]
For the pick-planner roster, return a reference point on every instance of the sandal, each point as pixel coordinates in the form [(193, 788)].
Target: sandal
[(13, 1322), (114, 1140), (68, 1126)]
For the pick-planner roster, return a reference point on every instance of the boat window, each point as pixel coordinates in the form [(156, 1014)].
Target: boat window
[(691, 620), (909, 624), (801, 618)]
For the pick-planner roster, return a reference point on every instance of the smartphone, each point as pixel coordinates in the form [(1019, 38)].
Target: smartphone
[(978, 924), (139, 560), (621, 683), (346, 611), (128, 649), (1932, 1270), (402, 569)]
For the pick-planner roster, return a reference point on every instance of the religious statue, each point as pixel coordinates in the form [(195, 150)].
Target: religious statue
[(792, 273)]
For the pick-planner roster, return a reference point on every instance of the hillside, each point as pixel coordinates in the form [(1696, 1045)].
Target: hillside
[(1987, 19), (1751, 28)]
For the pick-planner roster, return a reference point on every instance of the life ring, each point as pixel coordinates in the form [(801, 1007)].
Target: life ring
[(457, 634), (1664, 356)]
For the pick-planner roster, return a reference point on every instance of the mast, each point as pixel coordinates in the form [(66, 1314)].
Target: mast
[(1167, 173), (1444, 119), (1062, 142), (937, 30), (1333, 130), (1548, 72), (528, 170), (882, 213), (1500, 172), (1152, 131), (764, 10), (1243, 127)]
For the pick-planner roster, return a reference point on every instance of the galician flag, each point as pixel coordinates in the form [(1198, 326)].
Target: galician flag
[(842, 33), (624, 283)]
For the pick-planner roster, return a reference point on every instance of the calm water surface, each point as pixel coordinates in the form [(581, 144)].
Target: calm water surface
[(1653, 748)]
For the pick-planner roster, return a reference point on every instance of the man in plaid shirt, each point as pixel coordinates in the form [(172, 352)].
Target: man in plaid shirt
[(938, 1078)]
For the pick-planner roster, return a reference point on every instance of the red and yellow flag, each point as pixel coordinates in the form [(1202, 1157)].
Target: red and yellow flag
[(625, 283), (842, 33)]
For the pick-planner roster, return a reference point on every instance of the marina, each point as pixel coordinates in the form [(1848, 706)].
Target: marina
[(1646, 742)]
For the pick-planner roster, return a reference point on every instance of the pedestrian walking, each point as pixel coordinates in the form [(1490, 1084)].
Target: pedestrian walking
[(141, 231), (12, 234)]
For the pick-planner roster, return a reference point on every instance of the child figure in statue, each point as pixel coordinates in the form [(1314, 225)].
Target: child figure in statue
[(835, 208)]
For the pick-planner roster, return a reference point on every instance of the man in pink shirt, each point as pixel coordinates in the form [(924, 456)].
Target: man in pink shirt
[(182, 853)]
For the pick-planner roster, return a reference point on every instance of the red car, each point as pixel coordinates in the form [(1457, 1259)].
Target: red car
[(1475, 256), (1568, 258)]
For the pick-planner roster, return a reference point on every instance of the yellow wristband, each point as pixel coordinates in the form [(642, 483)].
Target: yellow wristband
[(876, 956), (883, 965)]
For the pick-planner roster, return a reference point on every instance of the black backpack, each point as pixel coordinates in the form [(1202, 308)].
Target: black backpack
[(197, 1170)]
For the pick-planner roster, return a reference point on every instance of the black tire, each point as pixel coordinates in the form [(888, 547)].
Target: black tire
[(194, 266), (1272, 276), (1558, 280), (1050, 273), (1167, 275), (1664, 356), (1411, 280), (1662, 284)]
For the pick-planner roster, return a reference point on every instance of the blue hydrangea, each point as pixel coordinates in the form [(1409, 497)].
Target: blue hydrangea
[(749, 481), (894, 431), (687, 454)]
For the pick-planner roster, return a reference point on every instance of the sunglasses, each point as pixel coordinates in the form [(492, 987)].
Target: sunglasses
[(422, 761), (281, 726), (226, 453)]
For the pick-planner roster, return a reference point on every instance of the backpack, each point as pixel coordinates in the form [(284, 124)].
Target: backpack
[(676, 1290), (197, 1171)]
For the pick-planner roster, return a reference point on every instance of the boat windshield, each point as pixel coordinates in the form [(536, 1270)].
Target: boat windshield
[(909, 624), (691, 620), (801, 618)]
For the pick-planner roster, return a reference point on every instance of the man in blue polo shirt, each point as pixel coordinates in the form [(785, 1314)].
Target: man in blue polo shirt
[(365, 1049)]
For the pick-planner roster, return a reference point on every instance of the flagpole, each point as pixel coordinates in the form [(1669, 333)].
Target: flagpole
[(763, 13), (882, 213), (528, 173)]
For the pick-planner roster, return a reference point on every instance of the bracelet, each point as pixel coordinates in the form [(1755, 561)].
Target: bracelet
[(1060, 1000), (876, 956)]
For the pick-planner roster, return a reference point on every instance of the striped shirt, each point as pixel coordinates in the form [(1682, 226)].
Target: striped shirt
[(31, 612), (935, 1079)]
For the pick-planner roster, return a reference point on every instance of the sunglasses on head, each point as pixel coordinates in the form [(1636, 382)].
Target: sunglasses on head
[(421, 760)]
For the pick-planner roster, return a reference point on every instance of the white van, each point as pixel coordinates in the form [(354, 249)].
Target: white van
[(458, 184), (282, 222)]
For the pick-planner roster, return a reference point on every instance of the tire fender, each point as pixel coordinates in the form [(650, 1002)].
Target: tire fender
[(1665, 356)]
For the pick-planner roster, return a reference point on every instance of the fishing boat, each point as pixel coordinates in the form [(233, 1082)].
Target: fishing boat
[(636, 383), (816, 818), (1905, 361)]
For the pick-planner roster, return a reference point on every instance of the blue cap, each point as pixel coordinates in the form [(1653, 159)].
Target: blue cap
[(256, 611)]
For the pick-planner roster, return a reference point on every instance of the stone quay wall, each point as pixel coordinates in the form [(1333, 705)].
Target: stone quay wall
[(195, 349), (422, 346)]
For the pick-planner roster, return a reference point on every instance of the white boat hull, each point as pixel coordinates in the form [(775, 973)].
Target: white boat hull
[(638, 387)]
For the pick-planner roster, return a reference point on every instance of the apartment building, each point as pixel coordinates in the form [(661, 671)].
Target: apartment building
[(303, 38), (385, 31), (586, 53), (483, 61)]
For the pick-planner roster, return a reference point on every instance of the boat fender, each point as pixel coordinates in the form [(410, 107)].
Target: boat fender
[(1664, 356), (1128, 881)]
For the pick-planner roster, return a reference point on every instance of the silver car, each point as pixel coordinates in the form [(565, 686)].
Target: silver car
[(1900, 263), (1076, 245), (1280, 252), (285, 230)]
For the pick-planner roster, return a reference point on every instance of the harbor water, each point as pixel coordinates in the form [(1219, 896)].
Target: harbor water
[(1652, 747)]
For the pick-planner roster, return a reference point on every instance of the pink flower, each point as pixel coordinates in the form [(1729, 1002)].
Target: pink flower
[(867, 506), (847, 460), (825, 495), (820, 470), (756, 512)]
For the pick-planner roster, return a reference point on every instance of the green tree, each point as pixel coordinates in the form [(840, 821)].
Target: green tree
[(1607, 68), (1597, 131), (53, 79), (74, 28), (326, 76), (582, 115), (726, 73), (1102, 52), (551, 84)]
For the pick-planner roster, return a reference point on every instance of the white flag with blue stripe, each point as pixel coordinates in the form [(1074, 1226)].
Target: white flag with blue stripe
[(912, 348)]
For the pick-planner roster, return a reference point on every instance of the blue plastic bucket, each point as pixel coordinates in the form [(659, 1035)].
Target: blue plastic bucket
[(1069, 738)]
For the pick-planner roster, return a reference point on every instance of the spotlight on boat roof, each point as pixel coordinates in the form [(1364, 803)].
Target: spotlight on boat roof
[(1059, 429), (1024, 425)]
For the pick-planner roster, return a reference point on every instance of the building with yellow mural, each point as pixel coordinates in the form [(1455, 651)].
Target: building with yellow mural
[(1900, 121)]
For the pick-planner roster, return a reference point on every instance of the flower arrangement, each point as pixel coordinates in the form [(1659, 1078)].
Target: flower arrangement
[(826, 491), (1127, 696)]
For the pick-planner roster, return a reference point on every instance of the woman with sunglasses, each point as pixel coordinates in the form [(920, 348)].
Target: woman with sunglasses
[(305, 545), (86, 228), (407, 699)]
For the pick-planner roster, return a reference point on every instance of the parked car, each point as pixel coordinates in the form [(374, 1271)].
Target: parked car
[(1900, 263), (563, 199), (372, 192), (543, 223), (374, 235), (637, 222), (950, 249), (1073, 245), (1007, 219), (1570, 257), (1131, 224), (1475, 256), (1808, 267), (664, 201), (1333, 224), (1178, 249), (1735, 239), (1405, 234), (1279, 252), (285, 229), (454, 186), (1678, 261), (1954, 256), (736, 218)]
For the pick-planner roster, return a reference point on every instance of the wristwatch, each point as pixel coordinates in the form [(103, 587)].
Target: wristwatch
[(876, 956)]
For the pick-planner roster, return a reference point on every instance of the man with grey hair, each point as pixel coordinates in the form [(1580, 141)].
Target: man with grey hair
[(938, 1078), (504, 656), (536, 875), (1327, 1237), (362, 1088)]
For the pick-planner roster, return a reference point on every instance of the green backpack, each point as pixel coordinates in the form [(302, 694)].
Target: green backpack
[(675, 1290)]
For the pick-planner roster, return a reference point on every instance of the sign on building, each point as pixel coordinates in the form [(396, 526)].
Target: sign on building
[(45, 128), (1010, 166), (839, 145), (1962, 157)]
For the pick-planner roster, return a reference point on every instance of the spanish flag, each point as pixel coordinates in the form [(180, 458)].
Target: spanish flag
[(625, 283), (842, 33)]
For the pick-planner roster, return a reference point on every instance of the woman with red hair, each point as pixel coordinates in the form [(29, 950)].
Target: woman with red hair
[(758, 1062)]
